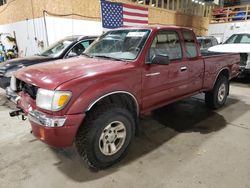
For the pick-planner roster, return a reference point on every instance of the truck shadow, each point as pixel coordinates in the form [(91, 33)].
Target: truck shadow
[(186, 116)]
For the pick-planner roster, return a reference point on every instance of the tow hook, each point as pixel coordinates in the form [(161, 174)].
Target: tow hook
[(18, 112)]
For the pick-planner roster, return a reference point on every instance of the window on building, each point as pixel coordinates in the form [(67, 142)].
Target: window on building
[(2, 2)]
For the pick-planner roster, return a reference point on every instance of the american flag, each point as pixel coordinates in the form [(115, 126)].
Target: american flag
[(115, 15)]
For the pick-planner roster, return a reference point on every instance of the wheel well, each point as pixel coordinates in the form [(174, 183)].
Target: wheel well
[(123, 100), (224, 72)]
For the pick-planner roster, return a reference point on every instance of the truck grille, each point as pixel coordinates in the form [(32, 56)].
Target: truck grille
[(27, 88)]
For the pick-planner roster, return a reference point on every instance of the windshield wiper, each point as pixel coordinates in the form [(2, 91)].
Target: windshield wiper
[(108, 57)]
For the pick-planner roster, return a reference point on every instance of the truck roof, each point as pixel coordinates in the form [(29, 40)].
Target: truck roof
[(79, 37), (156, 27)]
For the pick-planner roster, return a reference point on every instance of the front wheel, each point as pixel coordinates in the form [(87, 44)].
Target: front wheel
[(105, 136), (217, 97)]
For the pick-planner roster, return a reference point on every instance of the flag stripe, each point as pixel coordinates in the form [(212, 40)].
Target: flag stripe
[(135, 21), (135, 10), (115, 15), (135, 18), (134, 14), (135, 7), (127, 24)]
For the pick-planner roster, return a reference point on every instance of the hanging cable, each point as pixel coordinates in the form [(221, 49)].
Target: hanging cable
[(33, 15), (73, 14), (7, 6)]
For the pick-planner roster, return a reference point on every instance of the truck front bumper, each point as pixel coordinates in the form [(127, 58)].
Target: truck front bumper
[(55, 131)]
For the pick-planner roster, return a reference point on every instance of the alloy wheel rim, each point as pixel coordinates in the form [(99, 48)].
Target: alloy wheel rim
[(222, 93), (112, 138)]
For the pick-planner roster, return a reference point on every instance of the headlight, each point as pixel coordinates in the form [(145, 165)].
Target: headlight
[(52, 100)]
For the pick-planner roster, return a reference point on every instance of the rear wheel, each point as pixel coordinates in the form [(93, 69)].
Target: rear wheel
[(105, 136), (218, 96)]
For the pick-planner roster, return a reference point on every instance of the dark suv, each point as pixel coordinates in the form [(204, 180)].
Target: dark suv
[(65, 48), (205, 43)]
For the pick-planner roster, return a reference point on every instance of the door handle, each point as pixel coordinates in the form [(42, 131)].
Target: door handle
[(183, 68)]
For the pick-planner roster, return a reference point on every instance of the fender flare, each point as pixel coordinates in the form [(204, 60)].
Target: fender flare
[(112, 93), (218, 74)]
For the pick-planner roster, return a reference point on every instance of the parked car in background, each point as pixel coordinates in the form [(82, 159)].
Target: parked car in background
[(206, 42), (237, 43), (66, 48), (95, 100)]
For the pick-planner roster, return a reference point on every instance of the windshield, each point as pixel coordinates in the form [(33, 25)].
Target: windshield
[(119, 44), (238, 39), (57, 48)]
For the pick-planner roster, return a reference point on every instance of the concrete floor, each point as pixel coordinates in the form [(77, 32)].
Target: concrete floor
[(181, 145)]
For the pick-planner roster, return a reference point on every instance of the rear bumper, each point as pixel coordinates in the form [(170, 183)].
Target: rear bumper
[(58, 136), (4, 82)]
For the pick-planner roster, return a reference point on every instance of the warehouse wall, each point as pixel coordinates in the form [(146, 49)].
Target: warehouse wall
[(57, 28), (25, 34), (25, 17), (19, 10), (223, 31), (166, 17), (61, 27)]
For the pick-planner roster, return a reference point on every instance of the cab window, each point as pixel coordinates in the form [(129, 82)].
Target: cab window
[(190, 44), (166, 43)]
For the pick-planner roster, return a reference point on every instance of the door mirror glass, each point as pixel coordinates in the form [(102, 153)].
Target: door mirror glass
[(160, 60), (72, 54)]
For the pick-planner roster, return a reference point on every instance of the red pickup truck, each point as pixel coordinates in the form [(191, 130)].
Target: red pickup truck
[(95, 100)]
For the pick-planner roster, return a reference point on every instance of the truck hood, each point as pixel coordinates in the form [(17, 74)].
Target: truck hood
[(53, 74), (23, 62)]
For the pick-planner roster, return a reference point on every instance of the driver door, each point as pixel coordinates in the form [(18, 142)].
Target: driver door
[(162, 83)]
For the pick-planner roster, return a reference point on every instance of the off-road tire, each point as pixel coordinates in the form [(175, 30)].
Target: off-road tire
[(88, 135), (212, 97)]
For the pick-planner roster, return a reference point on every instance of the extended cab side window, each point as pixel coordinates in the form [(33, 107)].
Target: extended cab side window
[(166, 43), (190, 44)]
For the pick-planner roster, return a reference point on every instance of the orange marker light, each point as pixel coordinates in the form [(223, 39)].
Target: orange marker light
[(63, 100), (42, 133)]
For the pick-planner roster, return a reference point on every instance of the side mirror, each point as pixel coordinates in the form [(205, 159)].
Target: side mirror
[(71, 54), (161, 60)]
